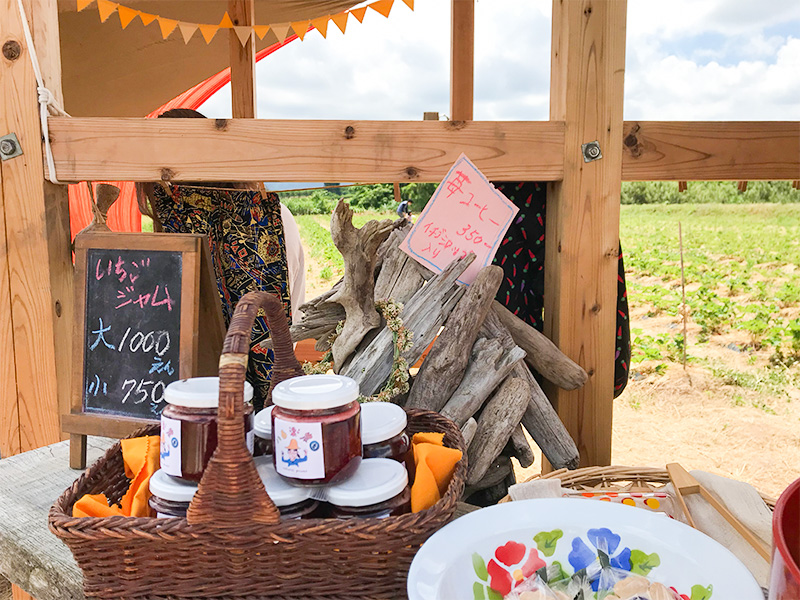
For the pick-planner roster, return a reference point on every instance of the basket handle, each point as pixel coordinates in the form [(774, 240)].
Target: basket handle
[(231, 493)]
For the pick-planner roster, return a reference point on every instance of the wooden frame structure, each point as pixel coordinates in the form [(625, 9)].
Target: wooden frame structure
[(588, 60)]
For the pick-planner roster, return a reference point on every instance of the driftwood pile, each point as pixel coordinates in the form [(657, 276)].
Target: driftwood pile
[(475, 373)]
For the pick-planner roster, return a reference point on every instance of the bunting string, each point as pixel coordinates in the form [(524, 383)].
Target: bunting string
[(187, 30)]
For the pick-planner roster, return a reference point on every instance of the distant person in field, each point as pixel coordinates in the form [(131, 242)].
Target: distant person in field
[(404, 210)]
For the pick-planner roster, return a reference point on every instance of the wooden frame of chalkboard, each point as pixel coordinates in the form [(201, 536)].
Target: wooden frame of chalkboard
[(127, 323)]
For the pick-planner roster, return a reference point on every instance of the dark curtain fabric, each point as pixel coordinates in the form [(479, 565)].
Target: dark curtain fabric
[(248, 250), (521, 255)]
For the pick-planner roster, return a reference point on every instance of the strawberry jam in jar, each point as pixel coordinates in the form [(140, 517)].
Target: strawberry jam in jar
[(379, 489), (316, 429), (383, 431)]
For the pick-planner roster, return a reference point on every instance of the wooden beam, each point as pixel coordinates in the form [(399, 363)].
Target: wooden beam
[(260, 150), (582, 227), (385, 151), (462, 59), (708, 151), (243, 61), (37, 238)]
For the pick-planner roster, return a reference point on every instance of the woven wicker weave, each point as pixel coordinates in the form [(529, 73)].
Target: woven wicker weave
[(232, 543), (615, 478)]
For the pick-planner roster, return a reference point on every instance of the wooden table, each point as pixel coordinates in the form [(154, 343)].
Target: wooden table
[(30, 556)]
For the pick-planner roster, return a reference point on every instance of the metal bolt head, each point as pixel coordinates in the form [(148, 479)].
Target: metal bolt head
[(591, 151), (7, 147)]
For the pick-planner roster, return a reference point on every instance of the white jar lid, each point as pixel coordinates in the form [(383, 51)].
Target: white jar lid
[(281, 492), (199, 392), (262, 424), (170, 488), (381, 421), (376, 480), (315, 392)]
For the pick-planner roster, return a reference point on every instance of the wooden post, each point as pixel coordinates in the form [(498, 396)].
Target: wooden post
[(586, 90), (462, 59), (36, 240), (243, 61)]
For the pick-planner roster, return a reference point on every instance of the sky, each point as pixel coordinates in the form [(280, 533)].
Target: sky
[(685, 60)]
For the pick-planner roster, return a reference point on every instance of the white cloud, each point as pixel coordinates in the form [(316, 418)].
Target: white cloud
[(686, 59)]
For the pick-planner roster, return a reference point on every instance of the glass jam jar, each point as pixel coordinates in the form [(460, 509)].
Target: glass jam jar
[(170, 497), (379, 489), (292, 501), (262, 428), (316, 429), (189, 425), (383, 431)]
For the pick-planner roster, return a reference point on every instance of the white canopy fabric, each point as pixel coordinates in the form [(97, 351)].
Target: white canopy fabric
[(108, 71)]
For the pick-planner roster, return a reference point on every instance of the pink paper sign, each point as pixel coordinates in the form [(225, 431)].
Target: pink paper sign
[(465, 214)]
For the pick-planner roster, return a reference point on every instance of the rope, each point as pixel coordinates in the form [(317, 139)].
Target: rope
[(47, 102)]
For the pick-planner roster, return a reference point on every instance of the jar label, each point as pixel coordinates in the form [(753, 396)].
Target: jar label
[(171, 446), (299, 450)]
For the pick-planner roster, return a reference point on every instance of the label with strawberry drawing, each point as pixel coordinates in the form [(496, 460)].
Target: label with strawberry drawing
[(298, 449), (171, 446)]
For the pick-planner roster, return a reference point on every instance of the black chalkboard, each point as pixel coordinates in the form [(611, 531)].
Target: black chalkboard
[(131, 330)]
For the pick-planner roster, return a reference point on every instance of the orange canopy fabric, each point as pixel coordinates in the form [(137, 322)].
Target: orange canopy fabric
[(124, 214)]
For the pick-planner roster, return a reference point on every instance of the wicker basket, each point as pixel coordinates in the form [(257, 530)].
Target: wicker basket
[(615, 479), (232, 543)]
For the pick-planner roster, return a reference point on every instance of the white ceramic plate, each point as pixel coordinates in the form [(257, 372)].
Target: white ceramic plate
[(483, 553)]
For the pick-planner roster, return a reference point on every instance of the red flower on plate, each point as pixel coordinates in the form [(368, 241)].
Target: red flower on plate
[(511, 554)]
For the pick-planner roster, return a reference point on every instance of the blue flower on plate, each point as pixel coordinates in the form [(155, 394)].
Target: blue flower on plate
[(602, 556)]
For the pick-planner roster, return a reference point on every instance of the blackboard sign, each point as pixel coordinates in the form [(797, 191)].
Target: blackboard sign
[(147, 312), (132, 330)]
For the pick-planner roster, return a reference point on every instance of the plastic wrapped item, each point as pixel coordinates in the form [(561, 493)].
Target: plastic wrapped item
[(534, 588), (610, 583)]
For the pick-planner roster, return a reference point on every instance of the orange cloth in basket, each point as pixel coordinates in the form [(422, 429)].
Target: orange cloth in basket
[(141, 457), (434, 465)]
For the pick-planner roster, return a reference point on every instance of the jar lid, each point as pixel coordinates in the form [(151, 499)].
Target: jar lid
[(376, 480), (281, 492), (170, 488), (381, 421), (314, 392), (262, 424), (199, 392)]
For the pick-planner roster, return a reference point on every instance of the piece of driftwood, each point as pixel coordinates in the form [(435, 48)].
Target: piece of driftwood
[(468, 431), (495, 474), (492, 360), (520, 448), (398, 234), (424, 314), (492, 495), (542, 422), (499, 418), (399, 277), (447, 360), (358, 248), (542, 354)]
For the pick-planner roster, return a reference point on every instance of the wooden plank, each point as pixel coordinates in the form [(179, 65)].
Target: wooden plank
[(462, 59), (260, 150), (9, 408), (588, 63), (703, 150), (243, 61), (29, 234)]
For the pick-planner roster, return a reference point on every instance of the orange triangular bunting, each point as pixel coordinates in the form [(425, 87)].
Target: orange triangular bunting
[(243, 33), (187, 31), (261, 31), (409, 4), (83, 4), (383, 7), (321, 25), (208, 31), (126, 15), (359, 13), (301, 28), (167, 26), (341, 21), (147, 18), (226, 22), (281, 30), (105, 8)]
